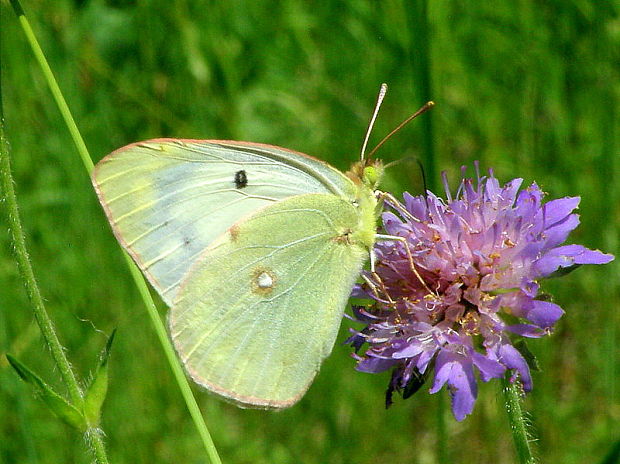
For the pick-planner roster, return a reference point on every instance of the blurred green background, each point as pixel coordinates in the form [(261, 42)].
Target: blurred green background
[(529, 88)]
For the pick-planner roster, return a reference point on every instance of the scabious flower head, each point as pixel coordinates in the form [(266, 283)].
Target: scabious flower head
[(463, 282)]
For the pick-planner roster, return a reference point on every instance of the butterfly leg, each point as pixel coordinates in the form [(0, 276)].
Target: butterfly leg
[(394, 203), (377, 287)]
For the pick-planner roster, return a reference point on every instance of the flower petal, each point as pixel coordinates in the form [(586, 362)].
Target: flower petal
[(373, 365), (512, 359), (509, 192), (394, 225), (457, 371), (526, 330), (443, 369), (544, 313), (408, 351), (489, 368), (358, 292), (557, 210), (559, 232), (569, 255), (463, 390)]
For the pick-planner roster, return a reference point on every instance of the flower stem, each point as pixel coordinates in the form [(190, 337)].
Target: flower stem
[(517, 420), (95, 436), (27, 275), (442, 437), (25, 269)]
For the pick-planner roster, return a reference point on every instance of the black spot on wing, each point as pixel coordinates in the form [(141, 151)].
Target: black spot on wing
[(241, 179)]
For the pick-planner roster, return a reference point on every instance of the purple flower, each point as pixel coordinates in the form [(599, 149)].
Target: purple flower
[(462, 284)]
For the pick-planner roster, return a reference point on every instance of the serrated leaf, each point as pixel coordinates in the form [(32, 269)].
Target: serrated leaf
[(64, 410), (95, 396)]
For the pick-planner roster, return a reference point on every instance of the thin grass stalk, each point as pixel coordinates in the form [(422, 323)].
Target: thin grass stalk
[(420, 62), (173, 361), (53, 85), (160, 330)]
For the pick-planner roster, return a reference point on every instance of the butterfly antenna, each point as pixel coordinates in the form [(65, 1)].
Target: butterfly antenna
[(423, 172), (398, 161), (380, 97), (422, 110)]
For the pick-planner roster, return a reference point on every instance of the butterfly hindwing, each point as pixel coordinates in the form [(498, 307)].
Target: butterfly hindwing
[(167, 200), (257, 314)]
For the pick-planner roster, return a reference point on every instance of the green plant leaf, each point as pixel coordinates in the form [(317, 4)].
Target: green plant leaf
[(59, 405), (532, 361), (95, 396), (561, 272)]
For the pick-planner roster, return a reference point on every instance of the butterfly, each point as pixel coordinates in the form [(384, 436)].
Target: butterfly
[(255, 249)]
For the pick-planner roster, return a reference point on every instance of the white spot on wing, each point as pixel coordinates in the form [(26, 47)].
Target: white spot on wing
[(264, 280)]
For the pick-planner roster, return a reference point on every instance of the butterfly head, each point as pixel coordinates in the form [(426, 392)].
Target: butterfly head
[(367, 172), (372, 174)]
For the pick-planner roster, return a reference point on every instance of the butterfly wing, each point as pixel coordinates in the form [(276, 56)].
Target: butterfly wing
[(168, 199), (261, 309)]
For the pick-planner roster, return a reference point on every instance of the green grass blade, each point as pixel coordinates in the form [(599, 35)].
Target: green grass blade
[(53, 85)]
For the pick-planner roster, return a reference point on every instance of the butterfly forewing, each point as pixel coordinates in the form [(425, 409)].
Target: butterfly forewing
[(257, 314), (167, 200)]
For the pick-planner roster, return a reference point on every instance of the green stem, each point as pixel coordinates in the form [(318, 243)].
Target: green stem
[(94, 437), (190, 401), (53, 85), (517, 421), (27, 275), (25, 270), (177, 370), (442, 436), (420, 59), (420, 62)]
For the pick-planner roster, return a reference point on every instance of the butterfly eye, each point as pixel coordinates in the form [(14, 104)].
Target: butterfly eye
[(372, 174), (241, 179)]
